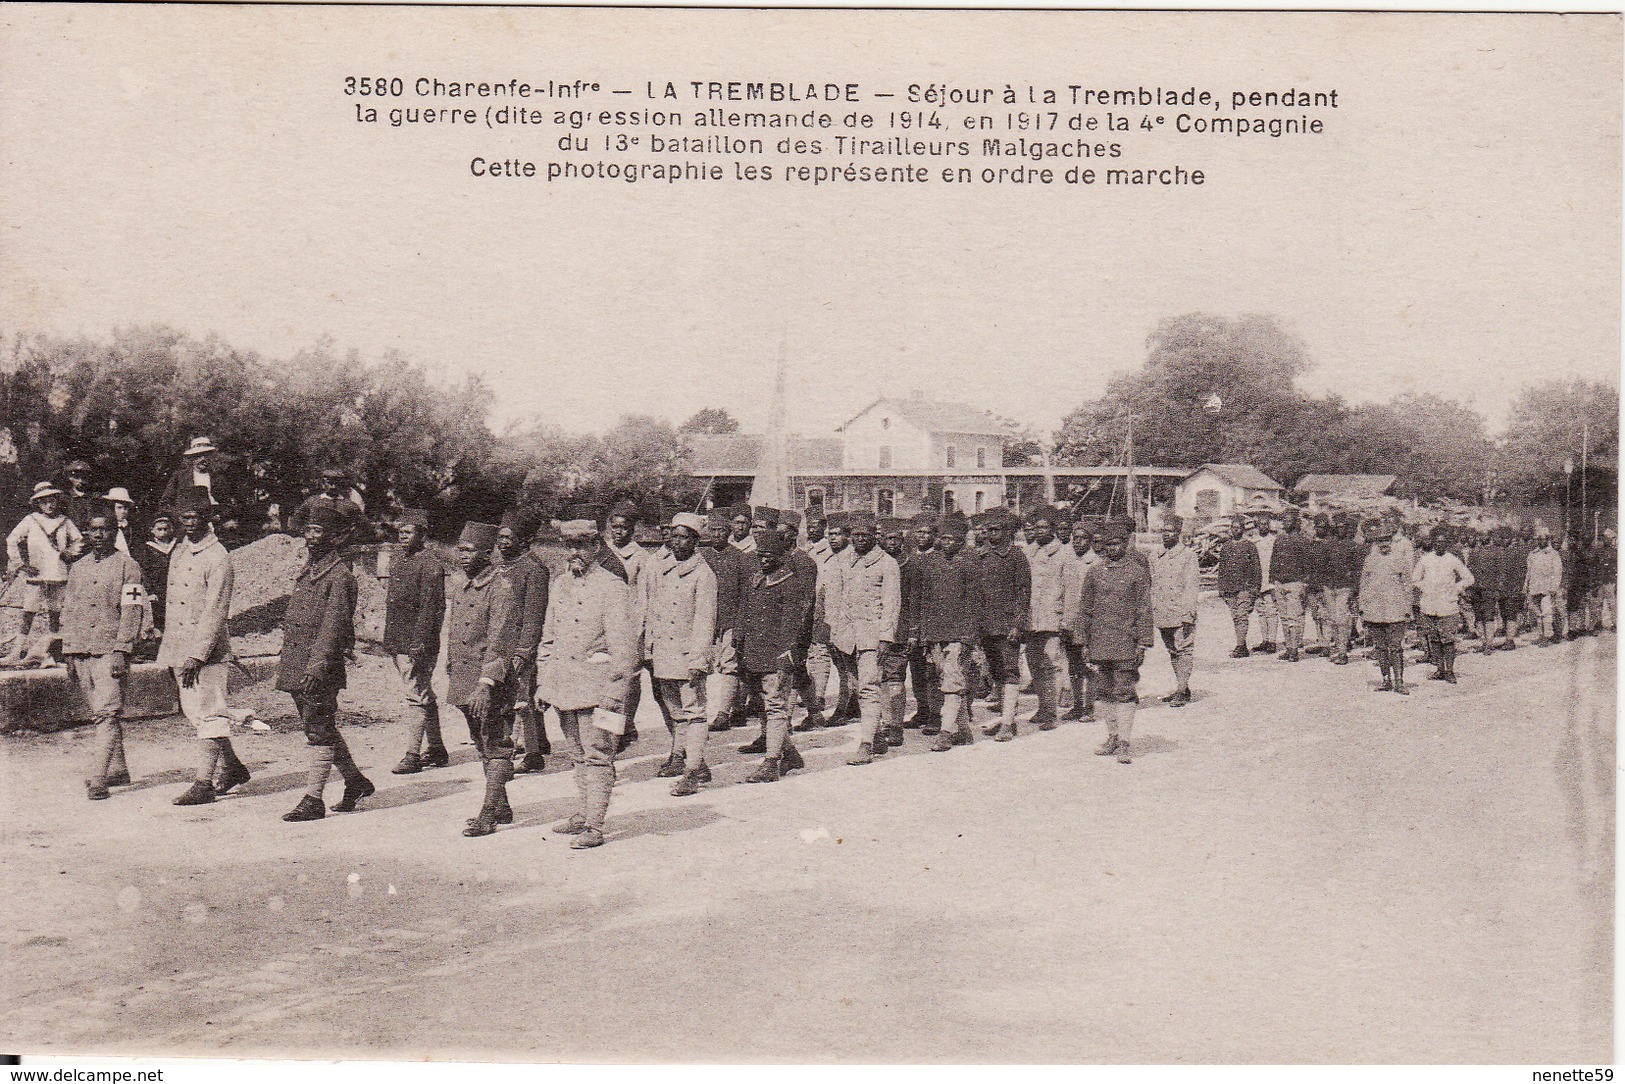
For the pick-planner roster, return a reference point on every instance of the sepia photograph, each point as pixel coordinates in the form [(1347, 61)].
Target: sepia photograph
[(683, 536)]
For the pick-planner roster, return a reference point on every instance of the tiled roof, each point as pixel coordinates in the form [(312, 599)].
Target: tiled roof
[(1350, 485), (937, 416), (1240, 474)]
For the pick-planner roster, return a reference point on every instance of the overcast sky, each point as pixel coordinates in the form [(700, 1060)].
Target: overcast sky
[(1456, 231)]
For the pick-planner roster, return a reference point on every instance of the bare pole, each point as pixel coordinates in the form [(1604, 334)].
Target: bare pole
[(1133, 501)]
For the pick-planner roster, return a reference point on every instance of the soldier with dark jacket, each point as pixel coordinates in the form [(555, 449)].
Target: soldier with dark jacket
[(1004, 587), (480, 629), (1114, 629), (802, 564), (940, 623), (527, 575), (774, 615), (732, 571), (153, 557), (1289, 575), (1240, 579), (317, 635), (414, 606), (1339, 562)]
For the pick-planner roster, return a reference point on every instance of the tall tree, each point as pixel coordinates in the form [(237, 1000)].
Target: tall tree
[(713, 421), (1550, 425)]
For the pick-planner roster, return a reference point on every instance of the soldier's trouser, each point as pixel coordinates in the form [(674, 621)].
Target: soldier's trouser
[(318, 714), (1043, 650), (1004, 670), (1606, 604), (722, 682), (1388, 641), (864, 666), (592, 752), (492, 734), (1543, 605), (1337, 602), (922, 676), (204, 704), (634, 695), (1290, 597), (423, 712), (1440, 632), (1241, 611), (1315, 601), (685, 706), (893, 678), (1118, 679), (818, 667), (1180, 640), (774, 688), (846, 672), (1082, 679), (1269, 612), (104, 694), (947, 662)]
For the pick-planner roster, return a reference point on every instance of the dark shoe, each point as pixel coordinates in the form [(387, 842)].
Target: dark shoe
[(932, 728), (757, 746), (1292, 656), (894, 737), (588, 837), (766, 772), (1399, 687), (96, 790), (1048, 724), (916, 721), (1125, 755), (880, 746), (1180, 699), (790, 759), (1240, 653), (410, 764), (723, 721), (813, 721), (1341, 660), (1072, 715), (530, 762), (119, 779), (864, 755), (1266, 648), (1006, 733), (672, 768), (354, 790), (201, 792), (234, 776), (1450, 677), (483, 825), (1318, 649), (1387, 686), (574, 826), (992, 729), (705, 772), (966, 736), (689, 784), (436, 758), (308, 809), (943, 744), (1107, 748)]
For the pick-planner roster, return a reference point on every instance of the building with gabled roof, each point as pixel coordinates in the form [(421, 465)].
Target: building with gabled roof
[(1343, 488), (1219, 490)]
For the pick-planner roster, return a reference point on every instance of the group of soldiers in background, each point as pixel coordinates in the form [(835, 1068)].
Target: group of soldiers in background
[(1370, 582), (749, 613)]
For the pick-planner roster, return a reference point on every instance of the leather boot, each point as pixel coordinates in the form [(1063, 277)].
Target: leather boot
[(485, 822), (308, 809), (766, 772), (790, 759)]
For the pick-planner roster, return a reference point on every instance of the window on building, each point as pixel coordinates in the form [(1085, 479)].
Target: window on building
[(815, 496), (885, 457), (885, 423), (952, 456), (884, 502), (981, 458), (980, 496), (948, 502)]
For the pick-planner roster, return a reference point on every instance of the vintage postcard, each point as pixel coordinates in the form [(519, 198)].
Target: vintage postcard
[(675, 535)]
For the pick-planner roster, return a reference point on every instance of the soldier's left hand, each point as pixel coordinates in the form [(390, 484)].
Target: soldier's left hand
[(1139, 656), (308, 683), (696, 673), (120, 664)]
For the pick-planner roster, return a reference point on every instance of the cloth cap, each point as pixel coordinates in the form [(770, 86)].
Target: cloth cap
[(815, 515), (739, 510), (482, 535), (162, 514), (717, 517), (521, 521), (200, 445), (838, 519), (44, 489), (1173, 523), (1045, 513), (764, 515), (693, 521), (413, 517), (789, 517), (193, 499), (1116, 531), (924, 519), (953, 524), (1377, 531), (891, 525), (773, 543), (860, 519), (627, 510)]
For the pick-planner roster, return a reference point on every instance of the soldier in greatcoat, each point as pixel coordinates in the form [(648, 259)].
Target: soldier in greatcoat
[(1004, 589), (679, 633), (317, 636), (528, 577), (414, 609), (940, 619), (1047, 559), (864, 612), (774, 615), (481, 624), (1114, 629), (588, 652), (197, 645)]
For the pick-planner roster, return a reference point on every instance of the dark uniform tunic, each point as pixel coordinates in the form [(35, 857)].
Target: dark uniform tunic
[(317, 633), (414, 606), (1004, 589)]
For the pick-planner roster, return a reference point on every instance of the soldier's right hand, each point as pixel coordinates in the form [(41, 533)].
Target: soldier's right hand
[(188, 673)]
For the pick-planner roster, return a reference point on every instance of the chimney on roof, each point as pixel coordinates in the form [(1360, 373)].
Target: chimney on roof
[(916, 393)]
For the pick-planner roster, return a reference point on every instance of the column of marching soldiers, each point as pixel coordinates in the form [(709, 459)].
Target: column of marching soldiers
[(741, 613)]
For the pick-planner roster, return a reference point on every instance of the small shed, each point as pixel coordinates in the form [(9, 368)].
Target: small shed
[(1342, 490), (1218, 490)]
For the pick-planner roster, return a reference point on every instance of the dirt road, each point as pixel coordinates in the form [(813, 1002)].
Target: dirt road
[(1294, 869)]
